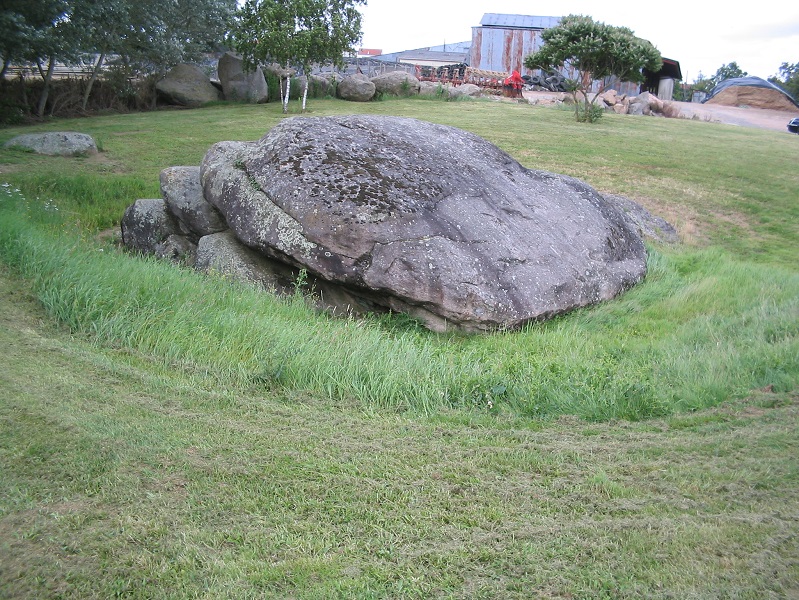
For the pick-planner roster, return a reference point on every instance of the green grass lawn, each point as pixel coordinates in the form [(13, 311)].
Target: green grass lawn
[(167, 435)]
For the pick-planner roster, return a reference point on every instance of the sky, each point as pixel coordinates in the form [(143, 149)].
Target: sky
[(702, 36)]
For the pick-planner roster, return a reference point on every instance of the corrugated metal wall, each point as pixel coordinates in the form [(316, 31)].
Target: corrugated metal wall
[(501, 49)]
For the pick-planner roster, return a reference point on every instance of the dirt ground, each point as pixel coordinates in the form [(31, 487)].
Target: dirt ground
[(760, 118)]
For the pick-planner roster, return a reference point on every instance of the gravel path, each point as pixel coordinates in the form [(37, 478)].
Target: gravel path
[(760, 118)]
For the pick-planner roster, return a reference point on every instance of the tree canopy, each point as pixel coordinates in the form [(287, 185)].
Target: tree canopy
[(149, 34), (596, 51), (297, 33), (788, 78)]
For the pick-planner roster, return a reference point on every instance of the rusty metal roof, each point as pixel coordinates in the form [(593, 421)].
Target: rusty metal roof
[(518, 21)]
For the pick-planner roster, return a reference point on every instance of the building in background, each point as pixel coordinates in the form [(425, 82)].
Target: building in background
[(501, 42)]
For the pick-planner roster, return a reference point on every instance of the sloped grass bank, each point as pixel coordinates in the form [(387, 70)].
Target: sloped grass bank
[(702, 328), (121, 478)]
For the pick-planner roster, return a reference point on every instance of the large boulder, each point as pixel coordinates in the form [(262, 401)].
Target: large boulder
[(187, 85), (55, 143), (423, 219), (357, 88), (396, 83), (238, 84)]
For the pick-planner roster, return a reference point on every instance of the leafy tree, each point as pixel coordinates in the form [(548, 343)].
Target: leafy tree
[(151, 34), (788, 79), (25, 28), (702, 83), (37, 32), (728, 71), (297, 32), (596, 51)]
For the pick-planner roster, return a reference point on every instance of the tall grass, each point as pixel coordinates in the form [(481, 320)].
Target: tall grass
[(702, 328)]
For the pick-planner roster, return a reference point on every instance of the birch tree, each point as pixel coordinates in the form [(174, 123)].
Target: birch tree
[(297, 33)]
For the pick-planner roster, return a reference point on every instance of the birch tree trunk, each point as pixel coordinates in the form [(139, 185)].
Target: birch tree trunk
[(286, 95), (305, 92)]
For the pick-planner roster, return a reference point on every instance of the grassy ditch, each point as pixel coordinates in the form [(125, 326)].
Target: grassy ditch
[(714, 319), (122, 477)]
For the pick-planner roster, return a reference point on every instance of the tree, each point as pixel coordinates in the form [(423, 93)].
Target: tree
[(596, 51), (788, 79), (728, 71), (37, 32), (25, 28), (296, 32), (150, 34)]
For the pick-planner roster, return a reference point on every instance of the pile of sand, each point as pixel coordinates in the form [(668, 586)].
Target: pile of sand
[(755, 97)]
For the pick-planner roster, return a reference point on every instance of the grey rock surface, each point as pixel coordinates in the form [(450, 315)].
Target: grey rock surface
[(357, 88), (187, 85), (466, 89), (239, 85), (181, 189), (396, 83), (423, 219), (55, 143), (648, 225), (147, 223), (222, 253)]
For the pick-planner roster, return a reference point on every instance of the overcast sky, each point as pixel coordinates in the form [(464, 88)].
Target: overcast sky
[(701, 35)]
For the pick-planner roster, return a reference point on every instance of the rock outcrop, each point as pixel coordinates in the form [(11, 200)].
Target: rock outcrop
[(396, 83), (387, 213), (55, 143), (187, 85), (357, 88), (239, 85)]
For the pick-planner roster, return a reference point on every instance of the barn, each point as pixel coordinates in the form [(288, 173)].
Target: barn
[(501, 42)]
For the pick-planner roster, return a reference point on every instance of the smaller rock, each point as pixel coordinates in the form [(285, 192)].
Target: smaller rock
[(146, 224), (56, 143), (610, 97), (178, 249), (357, 88), (183, 193), (430, 88), (396, 83), (225, 255), (239, 85), (467, 89), (187, 85), (637, 109)]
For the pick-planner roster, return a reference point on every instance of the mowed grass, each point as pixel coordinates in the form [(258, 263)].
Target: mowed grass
[(166, 434), (122, 478)]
